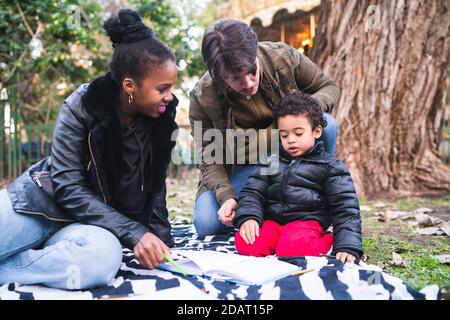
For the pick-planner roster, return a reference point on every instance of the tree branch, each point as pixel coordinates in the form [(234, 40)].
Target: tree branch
[(36, 34), (24, 19)]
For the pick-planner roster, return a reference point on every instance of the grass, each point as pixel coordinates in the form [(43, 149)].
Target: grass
[(421, 268), (411, 204), (362, 201), (181, 196)]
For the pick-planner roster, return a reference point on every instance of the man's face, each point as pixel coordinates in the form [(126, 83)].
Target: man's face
[(244, 82)]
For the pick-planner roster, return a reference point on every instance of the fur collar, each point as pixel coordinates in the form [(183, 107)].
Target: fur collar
[(100, 101)]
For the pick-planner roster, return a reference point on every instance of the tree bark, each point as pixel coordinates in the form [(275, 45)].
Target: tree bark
[(390, 59)]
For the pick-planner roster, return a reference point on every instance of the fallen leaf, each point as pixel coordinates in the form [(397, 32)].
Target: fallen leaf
[(380, 205), (426, 220), (423, 210), (430, 231), (412, 224), (445, 294), (397, 259), (175, 210), (446, 228), (391, 215), (410, 215), (365, 208), (443, 258)]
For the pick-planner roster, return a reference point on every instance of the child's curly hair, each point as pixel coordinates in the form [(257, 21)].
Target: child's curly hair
[(299, 103)]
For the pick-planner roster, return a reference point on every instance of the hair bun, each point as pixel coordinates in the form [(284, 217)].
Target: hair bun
[(127, 27)]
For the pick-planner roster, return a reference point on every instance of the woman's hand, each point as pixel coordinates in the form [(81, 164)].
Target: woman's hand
[(227, 212), (149, 251), (249, 231), (345, 257)]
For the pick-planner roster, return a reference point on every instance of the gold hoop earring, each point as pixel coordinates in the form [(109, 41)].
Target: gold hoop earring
[(130, 99)]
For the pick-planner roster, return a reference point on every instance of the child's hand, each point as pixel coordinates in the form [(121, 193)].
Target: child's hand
[(345, 257), (249, 231)]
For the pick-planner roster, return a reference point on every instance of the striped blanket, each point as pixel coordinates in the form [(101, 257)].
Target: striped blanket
[(341, 282)]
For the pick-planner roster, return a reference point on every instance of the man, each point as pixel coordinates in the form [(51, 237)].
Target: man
[(245, 82)]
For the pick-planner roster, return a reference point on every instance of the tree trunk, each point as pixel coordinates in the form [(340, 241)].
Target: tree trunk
[(390, 59)]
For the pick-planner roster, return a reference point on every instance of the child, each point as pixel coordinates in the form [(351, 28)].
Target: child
[(286, 212)]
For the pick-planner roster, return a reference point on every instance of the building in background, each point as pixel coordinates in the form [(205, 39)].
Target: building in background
[(293, 22)]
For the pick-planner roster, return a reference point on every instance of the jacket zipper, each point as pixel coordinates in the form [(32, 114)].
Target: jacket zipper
[(95, 166), (42, 214), (38, 181), (283, 185), (38, 177)]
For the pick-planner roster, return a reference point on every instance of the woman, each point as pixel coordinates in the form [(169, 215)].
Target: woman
[(63, 221), (246, 80)]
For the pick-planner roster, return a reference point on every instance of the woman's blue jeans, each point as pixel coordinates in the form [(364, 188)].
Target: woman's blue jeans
[(206, 219), (35, 250)]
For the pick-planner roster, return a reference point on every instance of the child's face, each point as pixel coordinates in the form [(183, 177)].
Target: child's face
[(297, 135)]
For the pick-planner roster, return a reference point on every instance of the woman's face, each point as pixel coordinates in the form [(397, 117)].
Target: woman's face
[(244, 83), (154, 93)]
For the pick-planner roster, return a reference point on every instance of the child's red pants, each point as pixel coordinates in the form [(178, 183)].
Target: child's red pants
[(298, 238)]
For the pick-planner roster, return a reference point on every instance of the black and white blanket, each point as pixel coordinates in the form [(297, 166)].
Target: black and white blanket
[(342, 282)]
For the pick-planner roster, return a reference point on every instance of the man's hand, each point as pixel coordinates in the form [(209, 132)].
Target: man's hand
[(149, 251), (227, 212), (249, 231), (345, 257)]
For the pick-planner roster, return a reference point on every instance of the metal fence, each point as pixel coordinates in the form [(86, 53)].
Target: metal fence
[(21, 144)]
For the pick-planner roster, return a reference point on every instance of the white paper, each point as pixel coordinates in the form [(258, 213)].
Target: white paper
[(230, 266)]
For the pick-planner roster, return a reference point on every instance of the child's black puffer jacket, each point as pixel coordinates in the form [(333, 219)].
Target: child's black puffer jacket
[(315, 186)]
